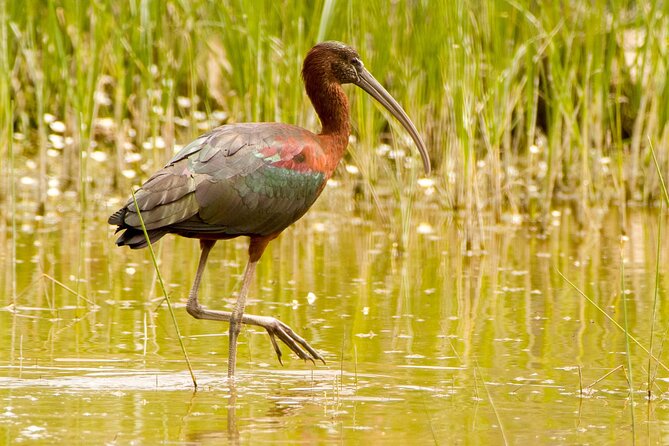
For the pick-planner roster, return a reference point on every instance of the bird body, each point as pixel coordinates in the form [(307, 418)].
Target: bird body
[(252, 179), (255, 180)]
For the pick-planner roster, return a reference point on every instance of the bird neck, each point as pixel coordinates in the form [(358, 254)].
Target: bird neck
[(331, 105), (329, 100)]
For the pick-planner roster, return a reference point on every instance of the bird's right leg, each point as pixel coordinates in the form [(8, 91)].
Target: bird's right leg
[(275, 328), (193, 306)]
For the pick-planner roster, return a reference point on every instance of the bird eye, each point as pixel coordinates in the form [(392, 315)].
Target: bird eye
[(356, 62)]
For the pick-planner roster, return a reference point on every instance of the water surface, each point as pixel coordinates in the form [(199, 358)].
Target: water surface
[(426, 343)]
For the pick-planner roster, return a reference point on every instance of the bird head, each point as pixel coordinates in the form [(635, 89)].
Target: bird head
[(338, 63)]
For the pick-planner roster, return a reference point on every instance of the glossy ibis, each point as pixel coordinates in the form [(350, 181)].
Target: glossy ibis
[(255, 180)]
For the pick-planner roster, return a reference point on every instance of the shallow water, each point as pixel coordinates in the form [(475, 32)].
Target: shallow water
[(425, 345)]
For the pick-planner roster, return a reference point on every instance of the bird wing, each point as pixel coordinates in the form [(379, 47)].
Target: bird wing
[(241, 179)]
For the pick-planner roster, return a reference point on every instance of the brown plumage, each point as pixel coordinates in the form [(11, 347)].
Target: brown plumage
[(255, 180)]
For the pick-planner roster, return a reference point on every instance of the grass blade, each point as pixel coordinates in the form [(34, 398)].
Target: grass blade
[(494, 408), (659, 173), (601, 310), (162, 287), (627, 339), (657, 264), (656, 291)]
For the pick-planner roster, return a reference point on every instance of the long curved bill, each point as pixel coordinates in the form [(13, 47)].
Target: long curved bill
[(368, 83)]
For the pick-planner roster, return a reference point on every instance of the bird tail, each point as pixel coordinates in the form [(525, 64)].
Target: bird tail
[(131, 236), (135, 239)]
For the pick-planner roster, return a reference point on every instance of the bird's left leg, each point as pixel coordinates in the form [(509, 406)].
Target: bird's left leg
[(275, 328), (257, 247), (238, 313)]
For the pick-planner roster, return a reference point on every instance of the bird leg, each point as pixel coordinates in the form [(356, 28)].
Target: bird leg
[(275, 328), (238, 313)]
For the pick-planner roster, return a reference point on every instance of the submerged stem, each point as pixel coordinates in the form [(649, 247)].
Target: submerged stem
[(162, 287), (627, 338)]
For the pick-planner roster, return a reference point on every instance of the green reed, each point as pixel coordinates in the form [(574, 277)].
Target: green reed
[(658, 257), (628, 351), (161, 282)]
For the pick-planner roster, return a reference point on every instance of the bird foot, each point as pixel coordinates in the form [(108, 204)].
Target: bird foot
[(277, 329)]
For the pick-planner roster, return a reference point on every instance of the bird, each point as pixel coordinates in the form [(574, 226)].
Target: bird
[(255, 180)]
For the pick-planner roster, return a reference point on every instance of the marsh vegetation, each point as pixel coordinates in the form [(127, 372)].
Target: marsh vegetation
[(514, 295)]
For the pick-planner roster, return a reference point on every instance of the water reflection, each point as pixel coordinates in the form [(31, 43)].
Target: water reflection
[(420, 345), (233, 430)]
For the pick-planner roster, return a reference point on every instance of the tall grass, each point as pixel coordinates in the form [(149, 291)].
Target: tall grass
[(524, 105)]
